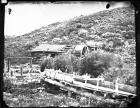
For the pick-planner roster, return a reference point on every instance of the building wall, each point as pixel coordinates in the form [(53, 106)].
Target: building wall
[(39, 56)]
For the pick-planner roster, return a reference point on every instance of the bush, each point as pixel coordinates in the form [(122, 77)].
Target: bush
[(75, 63), (60, 62), (66, 63), (8, 85), (95, 63), (116, 42), (129, 77), (131, 49), (125, 76), (110, 34), (130, 34), (131, 80), (47, 63), (112, 73)]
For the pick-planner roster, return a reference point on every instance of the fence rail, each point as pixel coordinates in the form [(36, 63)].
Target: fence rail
[(95, 84)]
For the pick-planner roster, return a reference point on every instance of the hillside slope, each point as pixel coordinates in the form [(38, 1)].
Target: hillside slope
[(116, 25)]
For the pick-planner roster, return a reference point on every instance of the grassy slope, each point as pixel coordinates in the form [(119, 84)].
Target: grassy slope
[(117, 20)]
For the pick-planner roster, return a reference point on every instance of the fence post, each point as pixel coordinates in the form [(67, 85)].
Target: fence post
[(11, 73), (69, 93), (86, 78), (21, 70), (97, 84), (31, 62), (89, 101), (73, 76), (54, 75), (8, 64), (116, 86)]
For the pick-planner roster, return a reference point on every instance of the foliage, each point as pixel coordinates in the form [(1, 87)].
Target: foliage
[(60, 62), (47, 63), (111, 26), (130, 34), (105, 23), (111, 74), (110, 34), (131, 49), (96, 63), (65, 62), (129, 76), (8, 85), (93, 63), (126, 76)]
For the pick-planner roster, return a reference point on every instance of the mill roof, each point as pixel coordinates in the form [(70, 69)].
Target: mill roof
[(49, 48)]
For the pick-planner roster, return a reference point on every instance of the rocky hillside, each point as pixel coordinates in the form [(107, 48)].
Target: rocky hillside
[(115, 26)]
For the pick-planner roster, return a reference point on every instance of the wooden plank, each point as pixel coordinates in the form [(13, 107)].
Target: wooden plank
[(105, 86), (93, 87), (127, 88), (81, 80), (86, 94), (18, 57), (102, 89)]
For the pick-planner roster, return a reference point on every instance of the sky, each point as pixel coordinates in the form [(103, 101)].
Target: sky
[(26, 17)]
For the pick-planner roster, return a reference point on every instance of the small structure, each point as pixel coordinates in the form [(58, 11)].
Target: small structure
[(48, 49), (89, 46), (80, 50), (44, 50), (8, 64), (94, 46)]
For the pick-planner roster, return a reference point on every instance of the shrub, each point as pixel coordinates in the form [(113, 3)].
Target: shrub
[(112, 73), (125, 76), (95, 63), (75, 63), (8, 85), (131, 49), (47, 63), (110, 34), (129, 77), (116, 42), (66, 63), (131, 80), (60, 62), (130, 34)]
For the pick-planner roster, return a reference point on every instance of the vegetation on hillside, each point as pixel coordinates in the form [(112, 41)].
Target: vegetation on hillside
[(116, 26)]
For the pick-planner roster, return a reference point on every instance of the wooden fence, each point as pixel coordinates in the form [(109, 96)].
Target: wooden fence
[(95, 84)]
